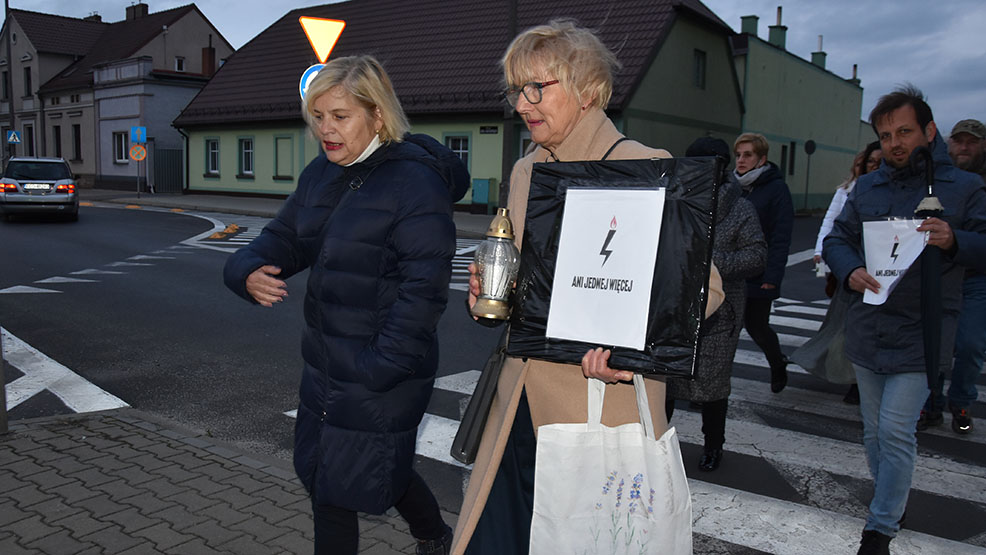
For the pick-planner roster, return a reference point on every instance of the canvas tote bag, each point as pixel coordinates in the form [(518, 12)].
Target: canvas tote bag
[(602, 490)]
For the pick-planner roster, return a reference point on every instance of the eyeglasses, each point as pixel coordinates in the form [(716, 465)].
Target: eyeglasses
[(532, 92)]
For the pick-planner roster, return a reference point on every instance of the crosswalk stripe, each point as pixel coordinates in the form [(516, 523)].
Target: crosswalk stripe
[(785, 339), (801, 309), (43, 373), (60, 279), (20, 289), (771, 525), (932, 474), (799, 323)]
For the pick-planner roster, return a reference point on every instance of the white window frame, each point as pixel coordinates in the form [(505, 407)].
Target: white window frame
[(246, 156), (121, 145), (462, 153), (180, 64), (212, 157)]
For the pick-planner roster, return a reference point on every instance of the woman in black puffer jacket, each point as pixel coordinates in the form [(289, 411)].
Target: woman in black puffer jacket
[(372, 219)]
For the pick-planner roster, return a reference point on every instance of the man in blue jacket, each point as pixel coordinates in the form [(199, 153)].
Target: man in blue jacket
[(884, 342)]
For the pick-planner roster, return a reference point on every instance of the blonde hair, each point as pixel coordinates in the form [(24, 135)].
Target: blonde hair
[(758, 141), (364, 78), (564, 51)]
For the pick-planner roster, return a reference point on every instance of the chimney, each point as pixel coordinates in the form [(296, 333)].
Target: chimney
[(136, 11), (208, 59), (749, 24), (93, 17), (818, 57), (855, 80), (777, 33)]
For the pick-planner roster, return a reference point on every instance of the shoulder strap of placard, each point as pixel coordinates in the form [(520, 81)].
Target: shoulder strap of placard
[(610, 151)]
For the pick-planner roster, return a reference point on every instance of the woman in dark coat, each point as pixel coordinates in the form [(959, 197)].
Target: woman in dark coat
[(763, 185), (740, 252), (372, 220)]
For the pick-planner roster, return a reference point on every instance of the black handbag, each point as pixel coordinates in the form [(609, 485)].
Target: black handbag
[(466, 442)]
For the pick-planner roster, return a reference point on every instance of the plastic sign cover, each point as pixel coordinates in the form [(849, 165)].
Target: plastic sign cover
[(605, 266), (891, 248), (675, 305)]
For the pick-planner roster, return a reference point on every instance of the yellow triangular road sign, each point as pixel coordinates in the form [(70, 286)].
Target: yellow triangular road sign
[(322, 34)]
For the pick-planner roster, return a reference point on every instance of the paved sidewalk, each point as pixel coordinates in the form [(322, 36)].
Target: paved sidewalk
[(124, 482), (467, 225)]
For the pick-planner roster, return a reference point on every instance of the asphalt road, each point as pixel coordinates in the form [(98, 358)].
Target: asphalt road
[(164, 333)]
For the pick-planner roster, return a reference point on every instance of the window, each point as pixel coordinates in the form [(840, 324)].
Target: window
[(27, 82), (246, 158), (120, 144), (4, 88), (283, 155), (28, 140), (212, 157), (74, 98), (54, 100), (783, 159), (698, 69), (179, 63), (56, 138), (459, 144), (77, 142)]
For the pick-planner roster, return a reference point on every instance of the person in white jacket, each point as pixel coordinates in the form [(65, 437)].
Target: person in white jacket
[(866, 161)]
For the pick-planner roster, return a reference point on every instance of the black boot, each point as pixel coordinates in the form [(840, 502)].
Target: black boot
[(874, 543), (778, 377), (710, 460), (440, 546)]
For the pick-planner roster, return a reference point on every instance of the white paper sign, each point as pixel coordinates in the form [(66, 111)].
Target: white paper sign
[(605, 266), (891, 247)]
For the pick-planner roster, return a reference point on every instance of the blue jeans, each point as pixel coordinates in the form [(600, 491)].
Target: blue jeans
[(970, 349), (890, 405)]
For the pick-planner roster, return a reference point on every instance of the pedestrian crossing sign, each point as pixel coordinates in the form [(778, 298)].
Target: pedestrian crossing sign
[(14, 137)]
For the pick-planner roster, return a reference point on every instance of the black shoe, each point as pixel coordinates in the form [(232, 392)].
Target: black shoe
[(710, 460), (930, 418), (852, 396), (778, 378), (961, 421), (874, 543), (440, 546)]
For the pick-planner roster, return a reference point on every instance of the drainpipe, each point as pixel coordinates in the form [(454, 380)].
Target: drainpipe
[(184, 187)]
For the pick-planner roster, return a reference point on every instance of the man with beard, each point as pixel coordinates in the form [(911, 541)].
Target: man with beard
[(884, 341), (965, 147)]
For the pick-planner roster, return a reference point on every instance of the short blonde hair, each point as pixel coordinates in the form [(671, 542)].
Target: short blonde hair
[(364, 78), (571, 54), (759, 142)]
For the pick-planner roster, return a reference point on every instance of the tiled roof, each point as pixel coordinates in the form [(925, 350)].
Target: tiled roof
[(442, 57), (57, 34), (118, 41)]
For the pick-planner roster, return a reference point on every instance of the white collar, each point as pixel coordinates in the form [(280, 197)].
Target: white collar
[(370, 149)]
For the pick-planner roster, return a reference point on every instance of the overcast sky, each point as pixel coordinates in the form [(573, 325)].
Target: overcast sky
[(938, 46)]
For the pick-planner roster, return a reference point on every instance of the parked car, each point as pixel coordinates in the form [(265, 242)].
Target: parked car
[(38, 185)]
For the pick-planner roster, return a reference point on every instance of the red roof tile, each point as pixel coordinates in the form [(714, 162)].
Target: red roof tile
[(442, 57)]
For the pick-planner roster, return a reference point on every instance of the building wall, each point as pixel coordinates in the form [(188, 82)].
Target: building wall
[(185, 38), (485, 154), (790, 100), (485, 160), (275, 171), (669, 110)]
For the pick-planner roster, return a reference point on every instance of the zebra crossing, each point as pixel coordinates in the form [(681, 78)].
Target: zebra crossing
[(794, 478)]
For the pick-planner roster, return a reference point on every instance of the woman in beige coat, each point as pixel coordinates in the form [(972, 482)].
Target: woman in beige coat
[(559, 79)]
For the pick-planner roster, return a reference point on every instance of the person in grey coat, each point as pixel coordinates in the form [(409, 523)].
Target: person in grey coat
[(739, 251)]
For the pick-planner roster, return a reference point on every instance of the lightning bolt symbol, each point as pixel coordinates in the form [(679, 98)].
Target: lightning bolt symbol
[(604, 251), (893, 253)]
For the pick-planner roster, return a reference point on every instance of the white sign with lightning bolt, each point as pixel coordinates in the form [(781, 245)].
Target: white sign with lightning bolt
[(890, 248), (605, 266)]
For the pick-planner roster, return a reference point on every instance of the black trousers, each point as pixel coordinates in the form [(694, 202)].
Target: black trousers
[(757, 321), (337, 529), (504, 528), (713, 421)]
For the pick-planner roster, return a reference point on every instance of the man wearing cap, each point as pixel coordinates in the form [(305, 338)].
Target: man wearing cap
[(965, 147)]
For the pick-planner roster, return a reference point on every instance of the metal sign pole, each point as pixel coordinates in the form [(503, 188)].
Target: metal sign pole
[(138, 179)]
